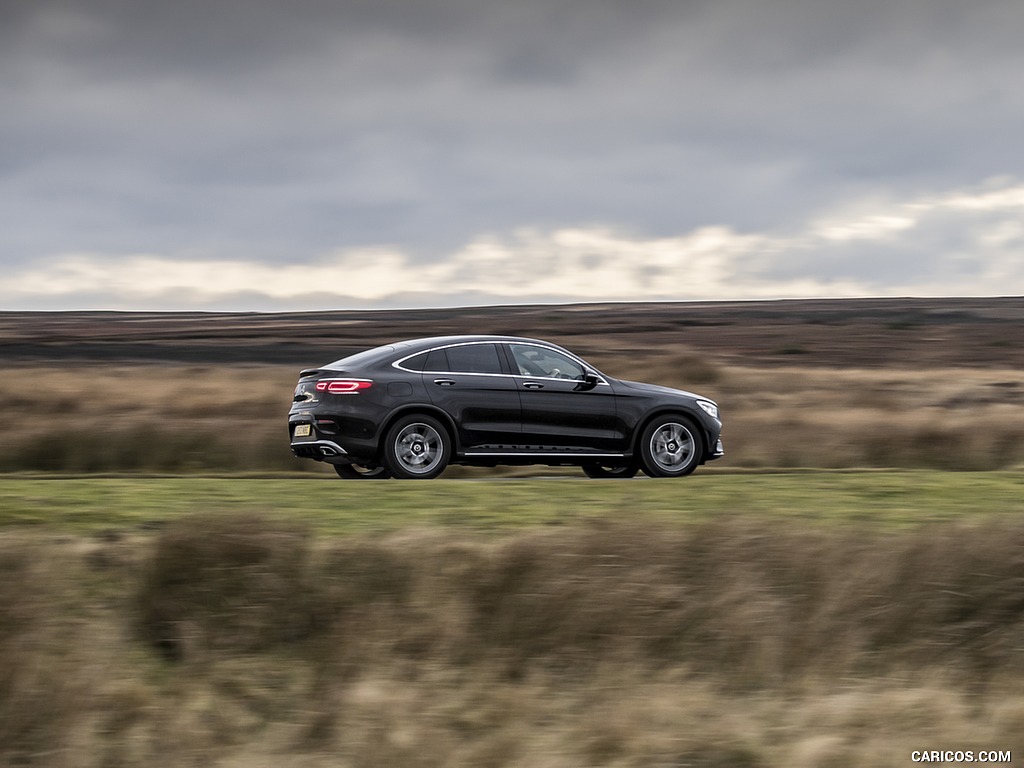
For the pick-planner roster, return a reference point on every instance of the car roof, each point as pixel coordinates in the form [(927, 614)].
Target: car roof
[(435, 341), (413, 346)]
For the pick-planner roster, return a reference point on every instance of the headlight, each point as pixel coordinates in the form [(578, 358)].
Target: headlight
[(709, 408)]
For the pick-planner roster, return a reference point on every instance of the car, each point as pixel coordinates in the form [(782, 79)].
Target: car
[(409, 409)]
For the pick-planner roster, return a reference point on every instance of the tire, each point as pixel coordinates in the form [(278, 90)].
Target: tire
[(417, 448), (671, 446), (600, 471), (362, 471)]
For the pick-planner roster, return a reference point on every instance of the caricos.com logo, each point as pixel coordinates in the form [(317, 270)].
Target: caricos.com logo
[(960, 756)]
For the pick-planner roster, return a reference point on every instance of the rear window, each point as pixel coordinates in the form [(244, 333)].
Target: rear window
[(434, 361), (415, 363)]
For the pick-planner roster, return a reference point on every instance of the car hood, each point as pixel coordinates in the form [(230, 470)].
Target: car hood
[(655, 388)]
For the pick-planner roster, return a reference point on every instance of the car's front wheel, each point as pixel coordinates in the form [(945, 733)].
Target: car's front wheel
[(417, 448), (610, 471), (362, 471), (670, 447)]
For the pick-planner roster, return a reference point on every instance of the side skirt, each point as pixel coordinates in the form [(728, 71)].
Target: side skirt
[(492, 455)]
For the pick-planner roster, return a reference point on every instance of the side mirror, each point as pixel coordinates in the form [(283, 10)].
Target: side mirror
[(590, 380)]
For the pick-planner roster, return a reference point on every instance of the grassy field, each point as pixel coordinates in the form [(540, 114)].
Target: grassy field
[(916, 385), (177, 590), (186, 419), (802, 619), (88, 504)]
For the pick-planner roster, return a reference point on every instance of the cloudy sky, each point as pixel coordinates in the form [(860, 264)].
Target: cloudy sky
[(249, 154)]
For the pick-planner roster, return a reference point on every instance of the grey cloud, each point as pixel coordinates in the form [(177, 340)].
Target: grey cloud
[(282, 131)]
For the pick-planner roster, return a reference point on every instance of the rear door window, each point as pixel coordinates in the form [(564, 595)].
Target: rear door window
[(474, 358)]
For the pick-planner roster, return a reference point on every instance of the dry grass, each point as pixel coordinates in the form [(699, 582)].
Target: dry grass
[(228, 583), (158, 418), (190, 418), (230, 641), (969, 419)]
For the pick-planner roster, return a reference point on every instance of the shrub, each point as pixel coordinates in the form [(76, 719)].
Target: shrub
[(225, 582), (43, 689)]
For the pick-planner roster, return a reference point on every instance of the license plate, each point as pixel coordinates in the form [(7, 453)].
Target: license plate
[(303, 430)]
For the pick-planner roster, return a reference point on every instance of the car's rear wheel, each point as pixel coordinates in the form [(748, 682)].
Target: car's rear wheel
[(601, 471), (417, 447), (362, 471), (670, 447)]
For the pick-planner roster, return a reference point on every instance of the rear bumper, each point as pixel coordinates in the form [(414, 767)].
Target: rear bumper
[(320, 450)]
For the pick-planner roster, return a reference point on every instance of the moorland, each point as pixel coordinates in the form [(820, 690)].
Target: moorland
[(842, 589), (913, 383)]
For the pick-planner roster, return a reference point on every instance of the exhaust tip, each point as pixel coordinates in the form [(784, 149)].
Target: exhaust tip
[(327, 450)]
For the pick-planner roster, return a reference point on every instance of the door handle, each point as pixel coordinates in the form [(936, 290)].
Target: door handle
[(533, 385), (444, 382)]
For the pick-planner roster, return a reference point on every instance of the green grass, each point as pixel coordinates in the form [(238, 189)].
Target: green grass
[(823, 622), (84, 504)]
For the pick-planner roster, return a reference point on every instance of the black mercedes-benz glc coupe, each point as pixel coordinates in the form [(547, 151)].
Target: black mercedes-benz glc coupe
[(409, 409)]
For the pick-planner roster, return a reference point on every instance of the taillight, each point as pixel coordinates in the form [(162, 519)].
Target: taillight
[(343, 386)]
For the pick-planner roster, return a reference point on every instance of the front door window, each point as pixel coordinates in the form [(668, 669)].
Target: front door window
[(545, 363)]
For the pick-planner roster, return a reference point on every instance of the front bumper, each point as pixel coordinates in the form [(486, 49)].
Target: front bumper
[(718, 451)]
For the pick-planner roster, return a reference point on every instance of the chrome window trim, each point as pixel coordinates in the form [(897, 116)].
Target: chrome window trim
[(583, 363), (398, 363)]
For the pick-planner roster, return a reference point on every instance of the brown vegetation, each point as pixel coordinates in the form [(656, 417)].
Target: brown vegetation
[(238, 641), (917, 383), (179, 418), (903, 333), (96, 418), (234, 640)]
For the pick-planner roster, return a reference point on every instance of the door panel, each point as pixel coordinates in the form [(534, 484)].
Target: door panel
[(559, 408), (559, 413), (484, 404)]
